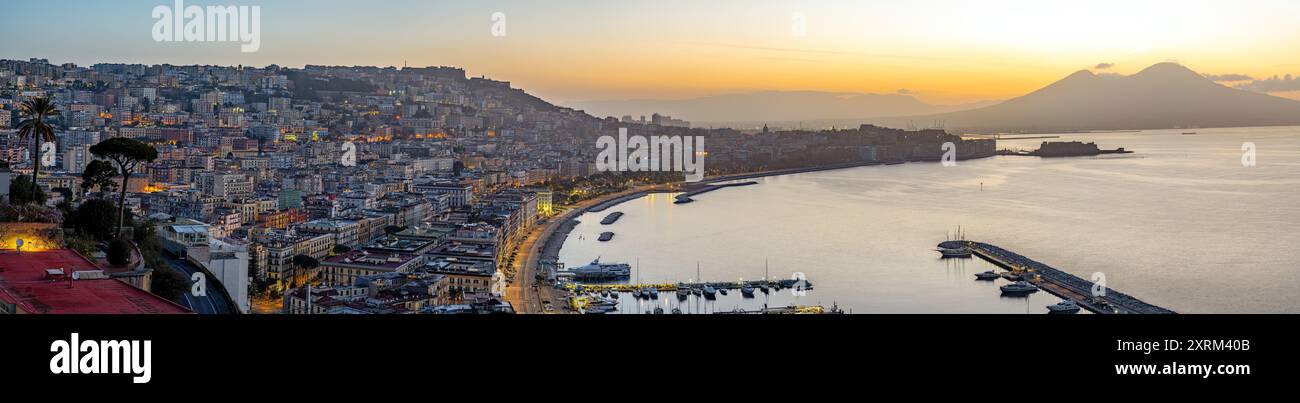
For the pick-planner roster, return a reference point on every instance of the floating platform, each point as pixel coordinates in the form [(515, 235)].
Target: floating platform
[(611, 218)]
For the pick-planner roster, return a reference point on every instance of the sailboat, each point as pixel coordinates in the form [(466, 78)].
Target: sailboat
[(709, 291), (959, 252), (766, 273)]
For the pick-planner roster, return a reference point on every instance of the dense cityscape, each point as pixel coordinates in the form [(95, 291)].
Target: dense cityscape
[(383, 190)]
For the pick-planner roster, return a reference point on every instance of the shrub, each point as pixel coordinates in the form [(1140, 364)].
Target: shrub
[(119, 252)]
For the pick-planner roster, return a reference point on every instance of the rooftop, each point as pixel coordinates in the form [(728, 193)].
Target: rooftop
[(25, 282)]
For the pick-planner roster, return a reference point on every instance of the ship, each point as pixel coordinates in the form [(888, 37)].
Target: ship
[(597, 271), (1073, 149)]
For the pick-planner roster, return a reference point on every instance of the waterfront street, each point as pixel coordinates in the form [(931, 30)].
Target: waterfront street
[(527, 294)]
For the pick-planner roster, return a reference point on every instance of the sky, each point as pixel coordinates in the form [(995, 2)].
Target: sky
[(943, 52)]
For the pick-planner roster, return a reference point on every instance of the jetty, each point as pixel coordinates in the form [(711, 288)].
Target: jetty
[(803, 285), (1057, 282), (701, 189)]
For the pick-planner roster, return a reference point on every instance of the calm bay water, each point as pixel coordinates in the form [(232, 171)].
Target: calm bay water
[(1180, 223)]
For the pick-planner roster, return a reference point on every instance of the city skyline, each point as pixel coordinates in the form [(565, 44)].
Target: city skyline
[(939, 52)]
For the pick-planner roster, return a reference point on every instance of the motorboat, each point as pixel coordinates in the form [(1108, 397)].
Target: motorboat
[(654, 293), (1019, 288), (987, 276), (710, 292), (682, 294), (1065, 307), (747, 291)]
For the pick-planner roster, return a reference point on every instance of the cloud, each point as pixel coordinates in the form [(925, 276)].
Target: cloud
[(1103, 66), (1272, 84), (1223, 78)]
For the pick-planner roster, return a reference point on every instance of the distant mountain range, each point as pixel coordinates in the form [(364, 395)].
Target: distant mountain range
[(773, 106), (1163, 96)]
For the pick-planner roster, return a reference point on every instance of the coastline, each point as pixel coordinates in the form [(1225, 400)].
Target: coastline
[(554, 236)]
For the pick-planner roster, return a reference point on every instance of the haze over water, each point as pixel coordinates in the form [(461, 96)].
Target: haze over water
[(1180, 223)]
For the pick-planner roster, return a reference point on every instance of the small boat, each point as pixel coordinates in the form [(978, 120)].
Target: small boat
[(613, 295), (654, 293), (710, 292), (605, 236), (682, 294), (722, 291), (1019, 288), (636, 293), (747, 291), (955, 252), (763, 288), (1065, 307), (697, 292), (1188, 133), (659, 311), (987, 276), (677, 311)]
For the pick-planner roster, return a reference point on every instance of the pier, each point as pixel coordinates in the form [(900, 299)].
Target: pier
[(672, 287), (701, 189), (1057, 282)]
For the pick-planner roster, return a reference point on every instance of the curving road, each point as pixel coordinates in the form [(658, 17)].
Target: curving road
[(216, 302)]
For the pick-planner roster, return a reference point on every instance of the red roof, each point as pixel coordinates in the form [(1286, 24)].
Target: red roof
[(25, 283)]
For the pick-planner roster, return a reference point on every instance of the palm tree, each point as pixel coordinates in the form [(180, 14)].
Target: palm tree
[(34, 112)]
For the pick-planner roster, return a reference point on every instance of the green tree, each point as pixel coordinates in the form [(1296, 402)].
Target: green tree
[(95, 218), (34, 114), (167, 283), (127, 154), (99, 173), (21, 191)]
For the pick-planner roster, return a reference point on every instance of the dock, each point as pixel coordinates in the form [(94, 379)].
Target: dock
[(1057, 282), (673, 287), (701, 189)]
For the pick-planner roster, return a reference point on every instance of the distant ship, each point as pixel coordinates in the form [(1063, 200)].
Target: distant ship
[(1073, 149)]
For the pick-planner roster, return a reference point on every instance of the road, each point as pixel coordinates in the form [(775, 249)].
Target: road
[(216, 302), (528, 295)]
